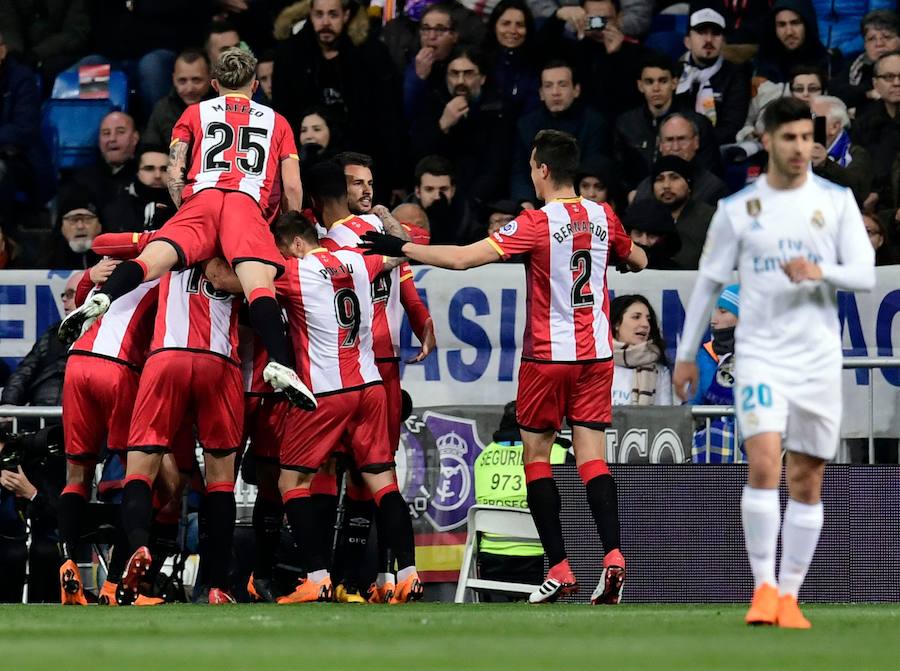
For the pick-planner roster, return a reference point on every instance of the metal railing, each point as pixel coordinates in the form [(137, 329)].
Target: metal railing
[(711, 412)]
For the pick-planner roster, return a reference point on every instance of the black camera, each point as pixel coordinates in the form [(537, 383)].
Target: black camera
[(31, 448), (596, 22)]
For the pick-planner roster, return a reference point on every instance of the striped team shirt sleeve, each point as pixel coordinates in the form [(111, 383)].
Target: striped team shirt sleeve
[(518, 236), (287, 148), (183, 131), (619, 241)]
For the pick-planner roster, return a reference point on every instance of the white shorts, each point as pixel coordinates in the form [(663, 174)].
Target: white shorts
[(804, 408)]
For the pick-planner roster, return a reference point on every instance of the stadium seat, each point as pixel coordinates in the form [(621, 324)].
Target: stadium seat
[(66, 87), (70, 128), (668, 30), (514, 522)]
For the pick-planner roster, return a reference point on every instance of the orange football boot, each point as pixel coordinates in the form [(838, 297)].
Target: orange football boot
[(789, 615), (308, 591), (764, 607), (70, 587), (410, 589)]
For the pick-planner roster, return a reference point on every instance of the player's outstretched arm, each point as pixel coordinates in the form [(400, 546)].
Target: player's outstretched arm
[(637, 259), (442, 256), (177, 170), (291, 186)]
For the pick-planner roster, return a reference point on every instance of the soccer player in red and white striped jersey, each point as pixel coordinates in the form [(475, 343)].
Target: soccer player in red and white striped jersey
[(192, 371), (330, 308), (566, 369), (226, 159)]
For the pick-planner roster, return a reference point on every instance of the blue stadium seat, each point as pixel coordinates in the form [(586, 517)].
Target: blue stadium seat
[(70, 128), (667, 34), (66, 87)]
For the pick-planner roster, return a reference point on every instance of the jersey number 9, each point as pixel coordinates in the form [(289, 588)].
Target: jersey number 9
[(346, 309)]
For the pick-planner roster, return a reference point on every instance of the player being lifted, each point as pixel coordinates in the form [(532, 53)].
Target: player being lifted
[(566, 369), (227, 155), (795, 239)]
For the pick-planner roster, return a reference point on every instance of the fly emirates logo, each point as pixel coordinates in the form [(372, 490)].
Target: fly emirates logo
[(787, 249)]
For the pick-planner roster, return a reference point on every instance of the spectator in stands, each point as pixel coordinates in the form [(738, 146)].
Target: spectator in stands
[(596, 181), (839, 160), (220, 36), (562, 110), (672, 180), (117, 141), (678, 136), (878, 129), (637, 130), (791, 38), (319, 136), (838, 20), (879, 235), (264, 67), (190, 84), (715, 363), (854, 84), (415, 218), (360, 182), (640, 374), (649, 224), (31, 492), (710, 85), (321, 65), (511, 49), (452, 218), (466, 124), (47, 36), (38, 379), (608, 61), (425, 74), (145, 204), (404, 39), (633, 17), (24, 163), (499, 213), (69, 247)]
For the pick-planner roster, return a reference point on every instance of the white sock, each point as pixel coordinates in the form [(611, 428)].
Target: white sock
[(404, 573), (799, 537), (382, 578), (317, 576), (761, 515)]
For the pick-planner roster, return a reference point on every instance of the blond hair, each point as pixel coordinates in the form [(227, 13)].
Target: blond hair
[(235, 68)]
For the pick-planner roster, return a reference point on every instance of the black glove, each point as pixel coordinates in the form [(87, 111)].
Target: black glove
[(381, 243)]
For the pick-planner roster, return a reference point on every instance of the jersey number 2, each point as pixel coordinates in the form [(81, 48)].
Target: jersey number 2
[(223, 135), (346, 309), (580, 263)]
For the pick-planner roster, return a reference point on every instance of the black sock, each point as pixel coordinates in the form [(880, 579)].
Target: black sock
[(137, 512), (126, 276), (604, 503), (544, 502), (325, 511), (221, 511), (355, 531), (267, 516), (70, 514), (163, 544), (265, 317), (119, 558), (398, 528), (306, 532)]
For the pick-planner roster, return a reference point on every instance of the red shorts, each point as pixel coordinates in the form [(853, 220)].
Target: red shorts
[(184, 446), (551, 392), (98, 397), (228, 223), (177, 386), (357, 419), (390, 377), (264, 425)]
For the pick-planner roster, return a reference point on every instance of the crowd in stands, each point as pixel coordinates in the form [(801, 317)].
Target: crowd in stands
[(447, 96)]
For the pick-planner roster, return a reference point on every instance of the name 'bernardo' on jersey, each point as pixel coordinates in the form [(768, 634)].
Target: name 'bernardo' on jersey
[(572, 228), (238, 106), (788, 249)]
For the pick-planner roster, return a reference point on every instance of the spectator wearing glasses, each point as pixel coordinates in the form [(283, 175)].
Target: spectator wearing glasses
[(879, 235), (854, 84), (426, 72), (839, 160), (878, 129), (69, 248)]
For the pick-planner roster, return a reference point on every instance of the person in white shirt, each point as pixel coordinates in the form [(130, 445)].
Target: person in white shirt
[(796, 239), (641, 374)]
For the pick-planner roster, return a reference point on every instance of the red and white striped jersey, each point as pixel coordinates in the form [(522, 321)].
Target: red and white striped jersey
[(124, 332), (569, 242), (388, 315), (192, 315), (235, 145), (329, 307)]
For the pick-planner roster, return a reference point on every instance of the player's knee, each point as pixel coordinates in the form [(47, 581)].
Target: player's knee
[(289, 480)]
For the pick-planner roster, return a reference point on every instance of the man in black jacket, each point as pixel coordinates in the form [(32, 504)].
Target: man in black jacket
[(190, 84), (117, 141), (320, 65), (711, 86), (145, 204)]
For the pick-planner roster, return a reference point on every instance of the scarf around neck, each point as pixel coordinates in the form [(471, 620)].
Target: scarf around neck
[(694, 75), (641, 358), (839, 152)]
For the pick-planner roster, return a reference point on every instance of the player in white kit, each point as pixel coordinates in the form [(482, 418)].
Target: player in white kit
[(795, 239)]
